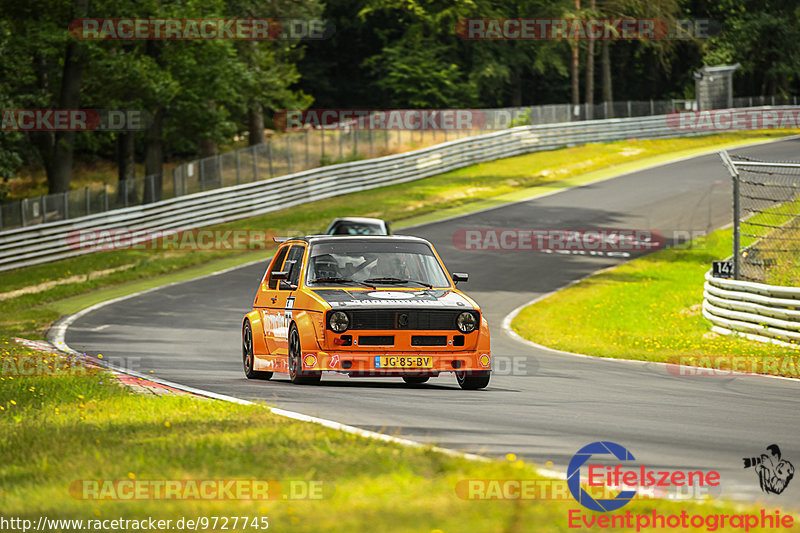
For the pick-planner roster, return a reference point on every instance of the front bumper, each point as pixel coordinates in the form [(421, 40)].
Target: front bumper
[(367, 363)]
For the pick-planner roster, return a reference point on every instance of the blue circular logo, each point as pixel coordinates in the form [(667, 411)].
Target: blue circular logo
[(574, 476)]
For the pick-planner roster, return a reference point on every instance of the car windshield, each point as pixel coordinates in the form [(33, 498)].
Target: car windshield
[(376, 263), (356, 228)]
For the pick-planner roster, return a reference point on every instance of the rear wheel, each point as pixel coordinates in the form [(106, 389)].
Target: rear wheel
[(248, 359), (473, 380), (296, 374), (416, 380)]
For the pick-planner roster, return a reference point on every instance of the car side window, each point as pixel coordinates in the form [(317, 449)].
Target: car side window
[(294, 263), (276, 267)]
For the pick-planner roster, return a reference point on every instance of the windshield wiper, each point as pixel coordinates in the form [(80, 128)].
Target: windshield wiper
[(342, 280), (397, 281)]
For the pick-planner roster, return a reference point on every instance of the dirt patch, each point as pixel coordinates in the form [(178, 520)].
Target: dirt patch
[(72, 279)]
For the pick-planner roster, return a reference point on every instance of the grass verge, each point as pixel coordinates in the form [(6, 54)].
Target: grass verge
[(665, 324), (59, 429)]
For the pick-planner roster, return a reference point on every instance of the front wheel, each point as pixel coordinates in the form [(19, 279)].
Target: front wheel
[(296, 374), (248, 359), (473, 380)]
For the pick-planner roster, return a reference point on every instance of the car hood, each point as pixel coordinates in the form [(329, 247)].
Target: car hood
[(384, 298)]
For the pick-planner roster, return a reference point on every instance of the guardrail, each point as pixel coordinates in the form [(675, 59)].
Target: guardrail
[(48, 242), (758, 311)]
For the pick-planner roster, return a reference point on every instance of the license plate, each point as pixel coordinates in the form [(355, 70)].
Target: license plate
[(403, 361)]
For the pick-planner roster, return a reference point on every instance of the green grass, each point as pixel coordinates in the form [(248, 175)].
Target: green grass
[(647, 309), (55, 429), (61, 429)]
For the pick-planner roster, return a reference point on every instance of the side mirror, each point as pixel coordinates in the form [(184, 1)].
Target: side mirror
[(279, 275), (460, 276)]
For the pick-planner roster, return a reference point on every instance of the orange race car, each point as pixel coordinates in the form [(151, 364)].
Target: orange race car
[(364, 306)]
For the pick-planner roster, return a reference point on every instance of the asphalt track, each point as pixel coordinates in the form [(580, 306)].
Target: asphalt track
[(541, 405)]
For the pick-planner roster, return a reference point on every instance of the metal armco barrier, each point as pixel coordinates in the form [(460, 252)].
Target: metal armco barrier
[(46, 242), (756, 310)]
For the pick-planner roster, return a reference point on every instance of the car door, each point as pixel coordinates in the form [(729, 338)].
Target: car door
[(281, 301), (267, 298)]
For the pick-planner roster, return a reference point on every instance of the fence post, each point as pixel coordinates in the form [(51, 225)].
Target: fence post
[(371, 148), (88, 202), (271, 157), (43, 204), (219, 169), (238, 169), (652, 108), (322, 142), (726, 160), (772, 100), (355, 140), (289, 153), (105, 196), (341, 146), (255, 162), (124, 184), (629, 108), (22, 213), (66, 205), (605, 109), (153, 188), (308, 156)]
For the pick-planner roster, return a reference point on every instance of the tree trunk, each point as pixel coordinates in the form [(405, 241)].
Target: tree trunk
[(208, 175), (576, 94), (605, 60), (516, 89), (154, 158), (59, 171), (590, 72), (255, 114), (126, 170), (576, 91)]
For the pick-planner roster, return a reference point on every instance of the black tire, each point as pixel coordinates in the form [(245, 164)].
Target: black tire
[(296, 374), (247, 355), (473, 380), (416, 380)]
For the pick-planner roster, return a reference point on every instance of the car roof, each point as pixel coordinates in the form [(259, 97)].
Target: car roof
[(362, 220), (317, 239)]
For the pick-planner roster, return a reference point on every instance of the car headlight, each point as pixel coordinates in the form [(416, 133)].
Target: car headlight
[(466, 322), (339, 321)]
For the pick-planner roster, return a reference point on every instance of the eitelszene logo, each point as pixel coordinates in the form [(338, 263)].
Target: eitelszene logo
[(574, 476), (774, 473)]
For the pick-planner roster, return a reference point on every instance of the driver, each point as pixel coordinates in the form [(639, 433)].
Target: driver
[(325, 266), (390, 266)]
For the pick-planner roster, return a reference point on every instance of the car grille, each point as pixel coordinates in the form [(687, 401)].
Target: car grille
[(376, 340), (429, 340), (412, 319)]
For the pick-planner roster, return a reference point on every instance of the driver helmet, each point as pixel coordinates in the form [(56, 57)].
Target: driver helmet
[(325, 266)]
